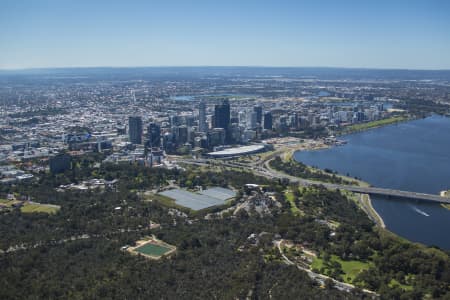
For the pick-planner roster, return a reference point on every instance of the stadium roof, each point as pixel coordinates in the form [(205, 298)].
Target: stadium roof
[(238, 151)]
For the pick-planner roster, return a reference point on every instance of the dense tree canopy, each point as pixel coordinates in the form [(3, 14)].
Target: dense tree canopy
[(76, 253)]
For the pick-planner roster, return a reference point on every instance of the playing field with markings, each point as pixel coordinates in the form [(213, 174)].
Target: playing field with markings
[(153, 250)]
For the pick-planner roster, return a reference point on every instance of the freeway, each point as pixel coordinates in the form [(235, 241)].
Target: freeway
[(264, 169), (392, 193), (364, 190)]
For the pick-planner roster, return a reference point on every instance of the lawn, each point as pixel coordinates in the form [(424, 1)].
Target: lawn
[(373, 124), (294, 208), (37, 208), (32, 207), (405, 287), (351, 268), (8, 203)]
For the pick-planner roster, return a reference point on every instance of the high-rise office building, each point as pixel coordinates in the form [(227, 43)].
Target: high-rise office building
[(182, 134), (222, 115), (268, 123), (202, 126), (242, 116), (258, 111), (216, 137), (135, 130), (175, 120), (293, 120), (252, 118), (154, 135), (222, 118)]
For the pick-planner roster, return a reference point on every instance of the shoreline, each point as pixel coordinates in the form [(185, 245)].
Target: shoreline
[(365, 204), (323, 146), (369, 208), (371, 211), (364, 200), (400, 119), (446, 206)]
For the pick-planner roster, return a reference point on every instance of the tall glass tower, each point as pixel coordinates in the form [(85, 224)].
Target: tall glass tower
[(202, 126), (135, 130)]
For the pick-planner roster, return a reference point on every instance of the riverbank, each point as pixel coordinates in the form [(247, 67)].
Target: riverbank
[(366, 203), (356, 128), (447, 206), (362, 200), (445, 194), (290, 155), (289, 145), (372, 154), (374, 124)]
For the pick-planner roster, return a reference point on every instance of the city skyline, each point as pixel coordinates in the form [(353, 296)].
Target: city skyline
[(233, 149), (349, 34)]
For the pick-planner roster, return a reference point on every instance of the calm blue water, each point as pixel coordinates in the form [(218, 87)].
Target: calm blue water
[(183, 98), (412, 156)]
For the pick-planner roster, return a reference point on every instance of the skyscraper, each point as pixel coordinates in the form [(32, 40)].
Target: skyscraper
[(268, 120), (202, 126), (222, 118), (252, 118), (135, 130), (258, 111), (222, 115), (154, 135), (182, 134)]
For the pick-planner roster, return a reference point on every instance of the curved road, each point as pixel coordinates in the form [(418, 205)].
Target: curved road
[(263, 168)]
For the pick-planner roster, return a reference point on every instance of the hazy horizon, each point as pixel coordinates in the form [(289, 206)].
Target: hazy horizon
[(217, 66)]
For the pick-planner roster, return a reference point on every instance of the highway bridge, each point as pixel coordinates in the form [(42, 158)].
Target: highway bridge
[(391, 193), (368, 190), (365, 190), (266, 171)]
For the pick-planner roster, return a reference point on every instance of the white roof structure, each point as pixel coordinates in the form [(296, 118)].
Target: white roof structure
[(238, 151), (219, 193), (196, 201)]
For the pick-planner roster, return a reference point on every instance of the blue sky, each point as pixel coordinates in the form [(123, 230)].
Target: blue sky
[(335, 33)]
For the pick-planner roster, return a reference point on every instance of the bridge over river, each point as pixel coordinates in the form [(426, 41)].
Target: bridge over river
[(266, 171), (366, 190), (390, 193), (358, 189)]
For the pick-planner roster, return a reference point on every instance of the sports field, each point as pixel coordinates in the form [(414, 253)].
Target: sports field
[(152, 249)]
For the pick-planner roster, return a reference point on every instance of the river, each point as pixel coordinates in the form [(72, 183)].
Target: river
[(411, 156)]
